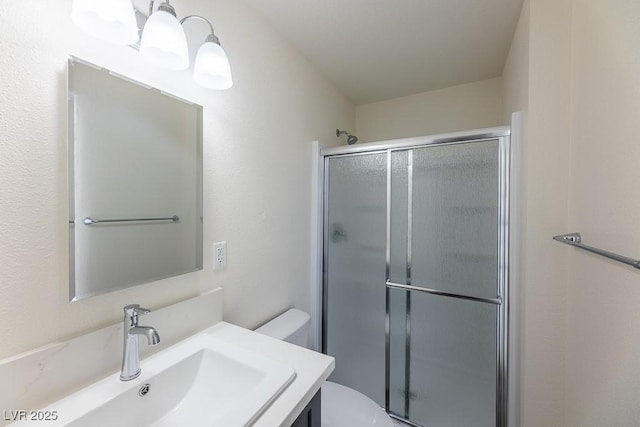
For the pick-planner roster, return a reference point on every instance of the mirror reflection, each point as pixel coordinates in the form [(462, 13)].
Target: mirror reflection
[(135, 182)]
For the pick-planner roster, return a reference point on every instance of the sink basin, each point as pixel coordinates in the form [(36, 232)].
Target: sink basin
[(201, 381)]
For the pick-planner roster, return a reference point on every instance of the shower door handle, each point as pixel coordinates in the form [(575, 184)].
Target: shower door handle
[(337, 233)]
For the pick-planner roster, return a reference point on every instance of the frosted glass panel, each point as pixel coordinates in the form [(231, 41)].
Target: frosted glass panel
[(452, 360), (399, 216), (355, 275), (455, 218), (398, 357)]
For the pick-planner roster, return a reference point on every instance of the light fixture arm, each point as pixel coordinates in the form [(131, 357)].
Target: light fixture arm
[(167, 8), (211, 37), (164, 6)]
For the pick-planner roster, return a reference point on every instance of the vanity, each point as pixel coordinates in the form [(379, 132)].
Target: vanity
[(203, 375)]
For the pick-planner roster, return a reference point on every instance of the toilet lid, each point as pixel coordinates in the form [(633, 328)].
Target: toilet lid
[(343, 406)]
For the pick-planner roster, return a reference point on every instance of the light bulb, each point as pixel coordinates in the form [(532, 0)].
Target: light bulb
[(164, 43), (212, 69), (109, 20)]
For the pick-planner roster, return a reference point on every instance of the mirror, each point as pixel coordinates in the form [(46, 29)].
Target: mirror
[(135, 182)]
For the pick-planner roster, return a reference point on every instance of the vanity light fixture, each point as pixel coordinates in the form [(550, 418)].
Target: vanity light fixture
[(112, 21), (163, 41)]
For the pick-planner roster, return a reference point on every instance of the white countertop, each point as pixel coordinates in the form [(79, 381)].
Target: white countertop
[(312, 369), (41, 377)]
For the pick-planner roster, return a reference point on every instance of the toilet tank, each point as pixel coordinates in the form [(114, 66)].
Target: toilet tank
[(291, 326)]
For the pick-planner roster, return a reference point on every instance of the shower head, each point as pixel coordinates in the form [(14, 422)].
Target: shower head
[(351, 139)]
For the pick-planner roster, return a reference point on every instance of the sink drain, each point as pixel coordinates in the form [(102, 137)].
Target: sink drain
[(144, 390)]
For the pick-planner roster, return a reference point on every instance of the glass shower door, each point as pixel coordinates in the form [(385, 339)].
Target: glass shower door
[(414, 277), (354, 270), (445, 284)]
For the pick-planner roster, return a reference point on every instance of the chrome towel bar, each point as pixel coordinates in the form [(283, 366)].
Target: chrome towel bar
[(574, 239), (91, 221)]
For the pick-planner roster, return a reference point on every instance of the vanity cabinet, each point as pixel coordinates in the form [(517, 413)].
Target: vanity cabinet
[(310, 416)]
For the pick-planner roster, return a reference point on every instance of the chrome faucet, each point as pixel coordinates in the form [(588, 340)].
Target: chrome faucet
[(130, 351)]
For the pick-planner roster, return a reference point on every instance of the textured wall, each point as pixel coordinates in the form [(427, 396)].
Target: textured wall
[(547, 193), (515, 75), (470, 106), (257, 149), (580, 70), (603, 379), (536, 76)]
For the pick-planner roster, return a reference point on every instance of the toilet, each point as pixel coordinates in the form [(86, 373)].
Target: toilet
[(341, 406)]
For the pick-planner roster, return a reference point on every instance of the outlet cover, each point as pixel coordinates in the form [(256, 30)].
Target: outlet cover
[(219, 255)]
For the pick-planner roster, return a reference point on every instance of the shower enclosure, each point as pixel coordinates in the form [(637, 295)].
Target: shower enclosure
[(415, 280)]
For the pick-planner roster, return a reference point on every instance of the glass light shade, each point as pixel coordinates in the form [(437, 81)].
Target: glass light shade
[(109, 20), (212, 69), (164, 43)]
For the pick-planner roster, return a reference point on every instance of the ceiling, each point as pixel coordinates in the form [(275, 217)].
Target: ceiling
[(373, 50)]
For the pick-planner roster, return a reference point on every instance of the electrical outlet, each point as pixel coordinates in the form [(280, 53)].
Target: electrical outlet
[(219, 255)]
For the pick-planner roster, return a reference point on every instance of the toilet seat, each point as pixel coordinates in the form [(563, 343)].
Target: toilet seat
[(343, 406)]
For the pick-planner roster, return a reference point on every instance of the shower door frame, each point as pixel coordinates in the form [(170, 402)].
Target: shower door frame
[(503, 135)]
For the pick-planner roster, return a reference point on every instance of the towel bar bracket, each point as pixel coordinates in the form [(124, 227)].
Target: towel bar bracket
[(571, 237)]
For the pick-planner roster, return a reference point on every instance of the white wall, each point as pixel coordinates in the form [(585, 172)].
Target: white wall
[(547, 194), (515, 78), (257, 149), (469, 106), (515, 75), (603, 325), (581, 324), (536, 77)]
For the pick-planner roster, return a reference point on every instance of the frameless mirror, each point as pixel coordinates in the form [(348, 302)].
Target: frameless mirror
[(135, 182)]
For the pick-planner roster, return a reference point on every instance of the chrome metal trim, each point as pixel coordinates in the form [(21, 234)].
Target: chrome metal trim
[(387, 318), (407, 316), (388, 231), (387, 350), (517, 148), (502, 360), (575, 239), (364, 153), (409, 214), (91, 221), (317, 246), (325, 254), (71, 168), (166, 7), (407, 355), (201, 18), (466, 136), (496, 301), (211, 38)]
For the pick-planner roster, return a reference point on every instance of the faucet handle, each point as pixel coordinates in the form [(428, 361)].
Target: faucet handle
[(135, 308), (132, 311)]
